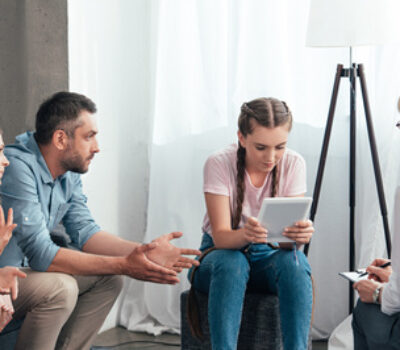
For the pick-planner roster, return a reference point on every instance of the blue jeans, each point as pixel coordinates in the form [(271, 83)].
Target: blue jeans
[(374, 330), (226, 274)]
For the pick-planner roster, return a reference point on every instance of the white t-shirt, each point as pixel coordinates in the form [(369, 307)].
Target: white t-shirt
[(220, 178), (391, 291)]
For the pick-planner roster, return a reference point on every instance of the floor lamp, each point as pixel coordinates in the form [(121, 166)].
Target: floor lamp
[(349, 23)]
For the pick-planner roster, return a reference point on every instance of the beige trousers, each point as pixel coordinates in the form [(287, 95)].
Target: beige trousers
[(63, 311)]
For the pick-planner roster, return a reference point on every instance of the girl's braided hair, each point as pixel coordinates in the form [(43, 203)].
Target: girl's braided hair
[(271, 113)]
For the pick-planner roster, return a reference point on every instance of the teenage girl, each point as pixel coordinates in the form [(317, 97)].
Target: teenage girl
[(236, 180)]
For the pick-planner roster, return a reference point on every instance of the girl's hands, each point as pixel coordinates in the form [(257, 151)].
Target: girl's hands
[(254, 232), (301, 232), (6, 228)]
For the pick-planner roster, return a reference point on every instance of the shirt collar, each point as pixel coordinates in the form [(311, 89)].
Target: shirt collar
[(43, 169)]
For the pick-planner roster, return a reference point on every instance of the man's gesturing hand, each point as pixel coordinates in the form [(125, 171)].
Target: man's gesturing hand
[(138, 266), (167, 255)]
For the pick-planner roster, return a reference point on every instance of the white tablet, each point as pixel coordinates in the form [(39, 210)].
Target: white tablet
[(278, 213)]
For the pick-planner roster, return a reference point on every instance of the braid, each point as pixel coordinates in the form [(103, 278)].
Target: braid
[(275, 181), (240, 185), (267, 112)]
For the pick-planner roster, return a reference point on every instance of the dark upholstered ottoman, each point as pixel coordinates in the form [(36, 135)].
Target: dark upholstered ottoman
[(260, 327)]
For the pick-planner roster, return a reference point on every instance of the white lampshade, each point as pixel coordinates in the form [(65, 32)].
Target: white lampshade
[(353, 22)]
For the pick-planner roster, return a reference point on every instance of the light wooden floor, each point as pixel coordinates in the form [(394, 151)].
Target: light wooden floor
[(121, 339)]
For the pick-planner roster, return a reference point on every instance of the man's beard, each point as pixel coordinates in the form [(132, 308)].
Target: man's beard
[(74, 163)]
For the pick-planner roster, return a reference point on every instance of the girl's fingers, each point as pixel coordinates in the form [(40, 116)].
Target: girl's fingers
[(256, 230), (260, 240), (304, 223), (252, 221), (297, 234), (299, 230), (299, 238), (252, 236)]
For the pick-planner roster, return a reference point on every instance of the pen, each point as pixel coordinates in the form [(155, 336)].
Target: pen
[(382, 266)]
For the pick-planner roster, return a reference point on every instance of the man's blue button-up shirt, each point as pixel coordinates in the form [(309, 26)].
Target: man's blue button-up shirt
[(40, 203)]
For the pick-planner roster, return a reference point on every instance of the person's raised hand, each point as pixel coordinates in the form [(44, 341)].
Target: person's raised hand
[(254, 232), (6, 310), (9, 280), (170, 256), (301, 232), (365, 289), (376, 273), (137, 265), (6, 228)]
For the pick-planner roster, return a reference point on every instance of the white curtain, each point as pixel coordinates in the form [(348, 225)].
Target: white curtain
[(203, 60)]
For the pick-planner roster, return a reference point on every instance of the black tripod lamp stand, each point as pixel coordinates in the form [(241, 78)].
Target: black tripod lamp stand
[(348, 23)]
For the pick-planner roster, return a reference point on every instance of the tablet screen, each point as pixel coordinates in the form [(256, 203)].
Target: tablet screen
[(278, 213)]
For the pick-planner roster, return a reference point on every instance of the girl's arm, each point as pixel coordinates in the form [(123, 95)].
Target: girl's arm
[(220, 219)]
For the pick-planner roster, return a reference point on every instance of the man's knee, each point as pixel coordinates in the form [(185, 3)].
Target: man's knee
[(117, 283), (370, 322), (64, 292), (113, 284)]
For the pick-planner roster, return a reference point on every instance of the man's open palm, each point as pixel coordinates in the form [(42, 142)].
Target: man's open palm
[(170, 256)]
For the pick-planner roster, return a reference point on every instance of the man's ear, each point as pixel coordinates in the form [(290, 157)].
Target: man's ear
[(60, 139), (242, 139)]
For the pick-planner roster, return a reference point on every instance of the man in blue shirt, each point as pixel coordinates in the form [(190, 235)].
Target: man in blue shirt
[(68, 292)]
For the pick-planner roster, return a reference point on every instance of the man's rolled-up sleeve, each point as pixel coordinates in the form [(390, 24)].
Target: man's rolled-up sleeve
[(19, 191), (78, 221)]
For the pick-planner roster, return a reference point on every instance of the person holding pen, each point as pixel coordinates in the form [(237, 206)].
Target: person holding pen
[(376, 318)]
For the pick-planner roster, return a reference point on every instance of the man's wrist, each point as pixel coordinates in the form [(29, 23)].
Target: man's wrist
[(376, 295), (121, 266)]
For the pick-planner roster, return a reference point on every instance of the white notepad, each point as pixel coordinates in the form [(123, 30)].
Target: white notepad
[(354, 276)]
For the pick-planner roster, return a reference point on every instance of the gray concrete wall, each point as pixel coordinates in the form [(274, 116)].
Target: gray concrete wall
[(33, 59)]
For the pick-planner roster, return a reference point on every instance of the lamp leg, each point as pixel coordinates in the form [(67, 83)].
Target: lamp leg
[(325, 146), (352, 179), (375, 159)]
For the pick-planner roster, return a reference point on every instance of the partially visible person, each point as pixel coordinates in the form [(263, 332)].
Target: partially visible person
[(8, 275), (376, 318), (236, 180), (69, 291)]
